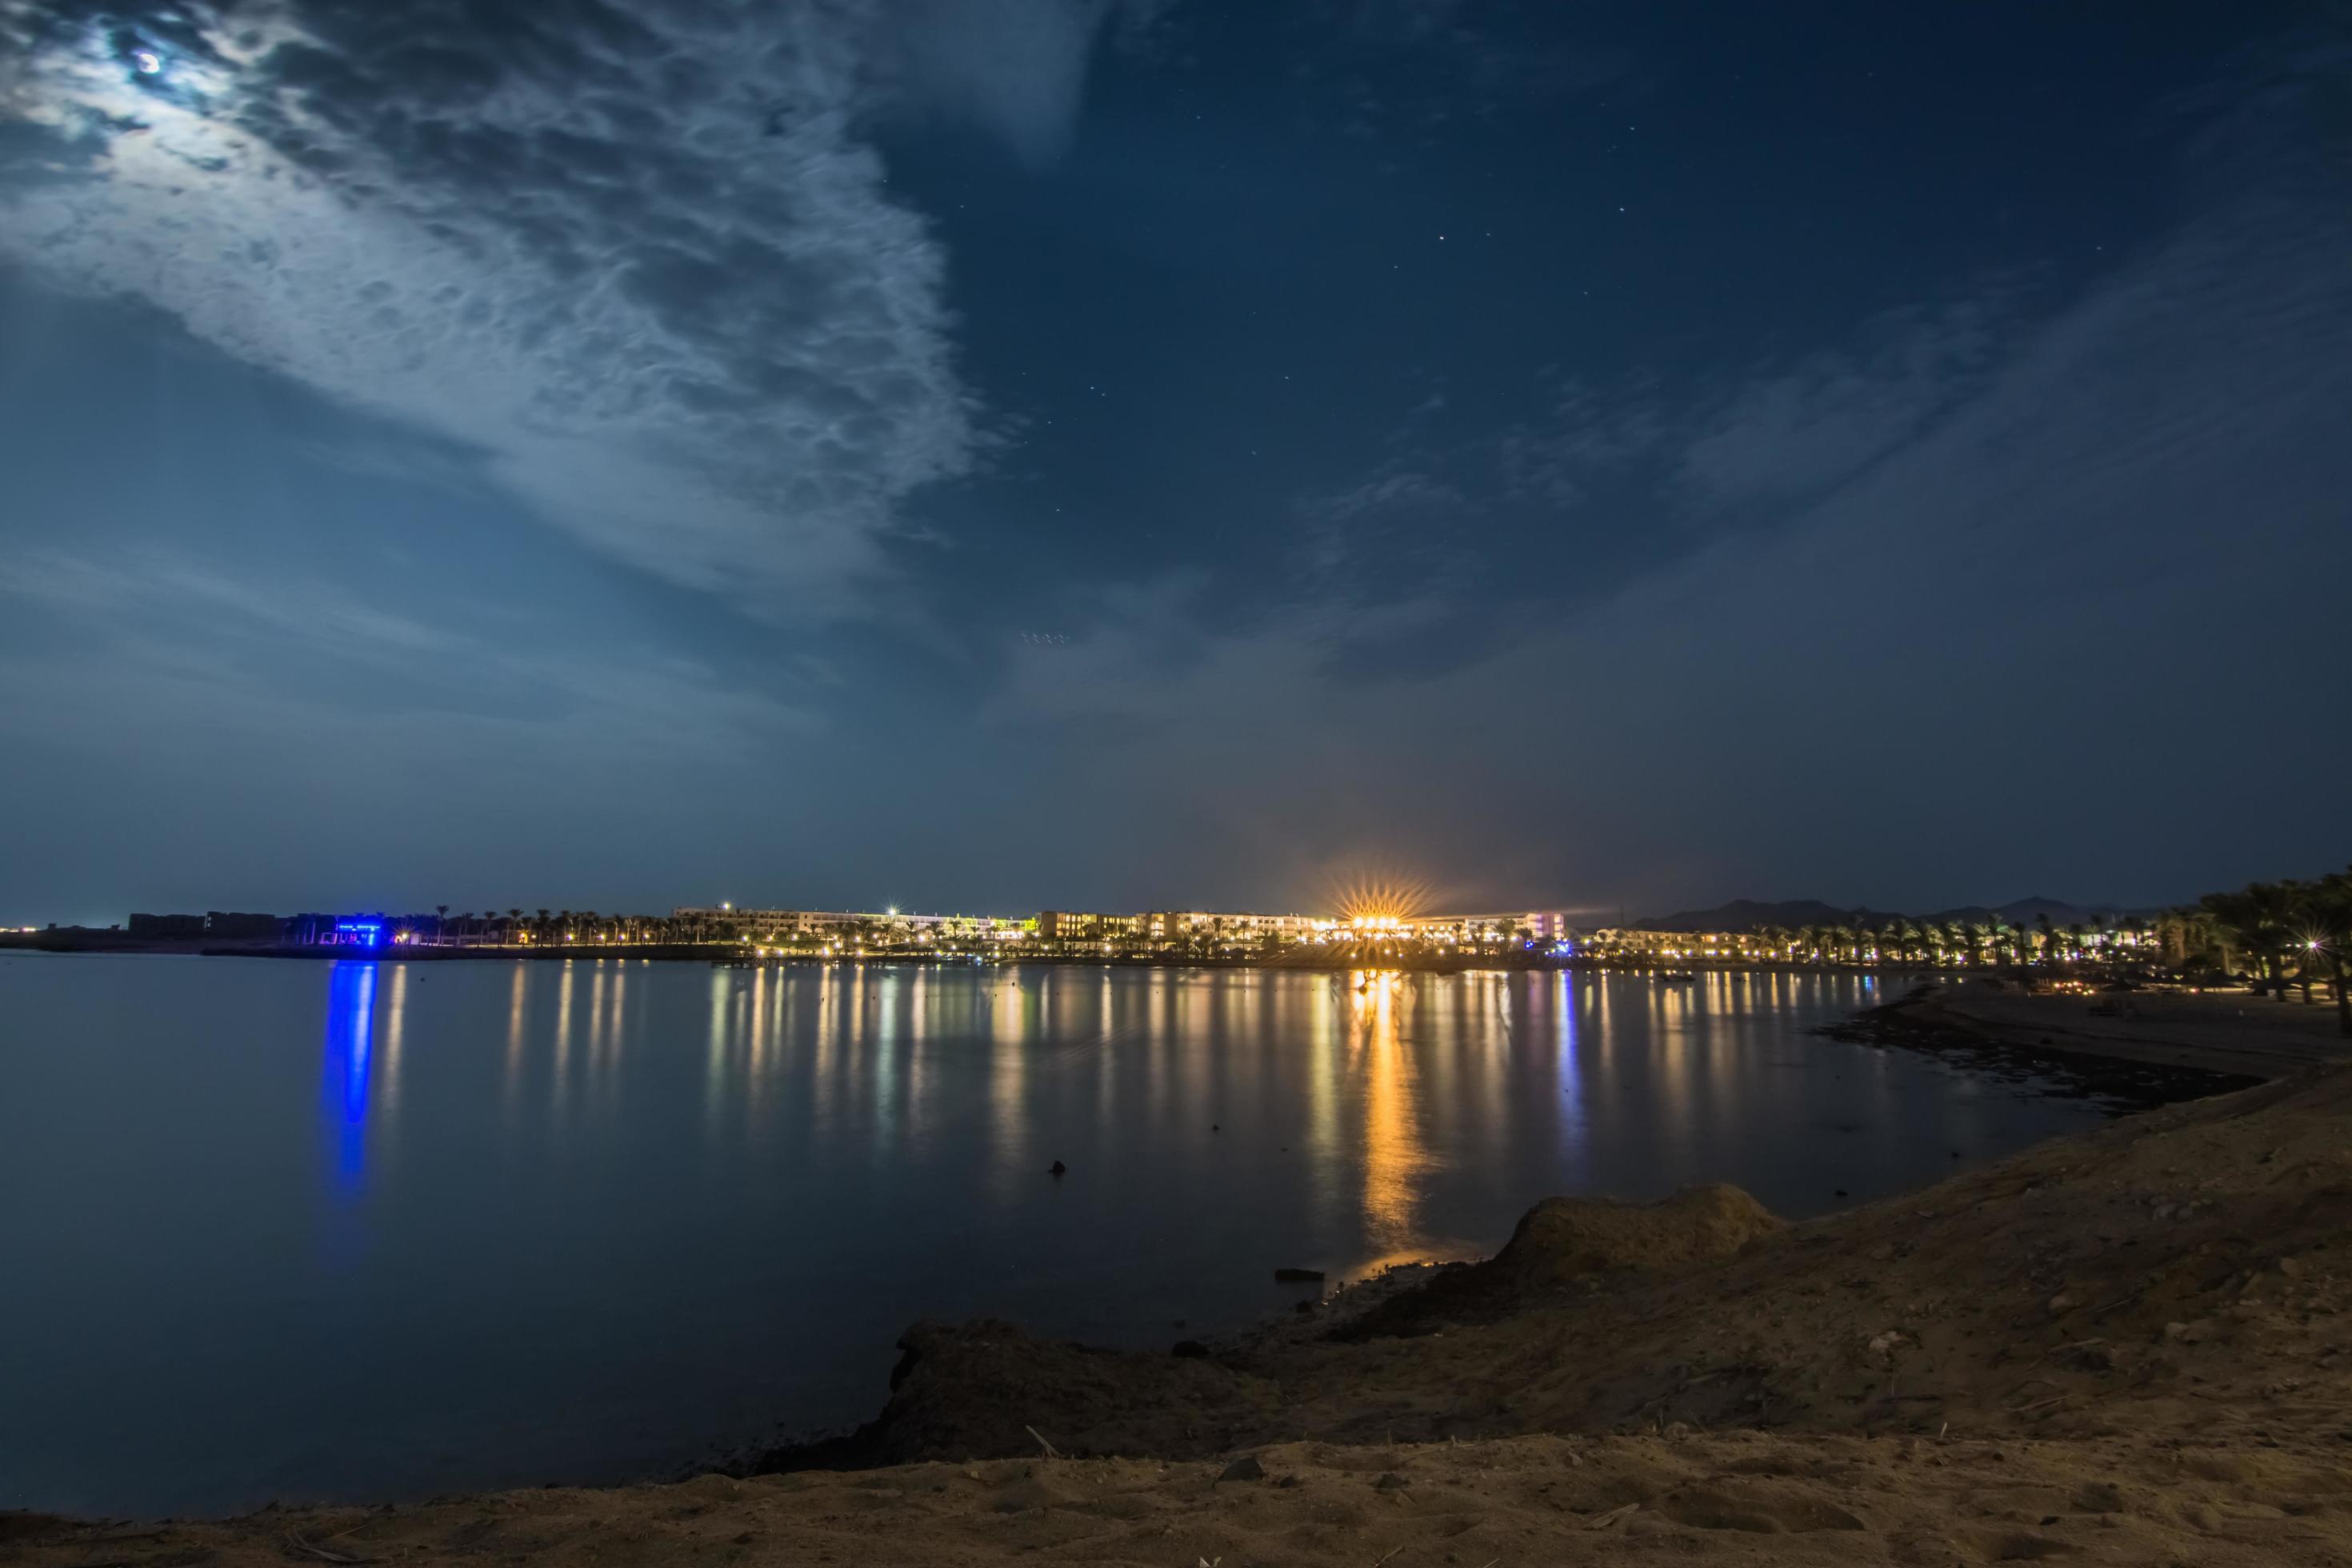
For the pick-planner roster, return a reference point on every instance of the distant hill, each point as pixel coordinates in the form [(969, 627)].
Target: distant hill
[(1748, 914), (2023, 912), (1794, 914)]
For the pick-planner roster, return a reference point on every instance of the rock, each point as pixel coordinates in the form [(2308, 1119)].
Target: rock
[(1299, 1277), (1057, 1169), (1188, 1349), (2060, 1304), (1245, 1468), (1840, 1192), (2293, 1268), (1390, 1481), (1304, 1308), (1882, 1253)]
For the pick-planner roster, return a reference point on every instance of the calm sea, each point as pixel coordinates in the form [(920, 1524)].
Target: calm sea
[(372, 1231)]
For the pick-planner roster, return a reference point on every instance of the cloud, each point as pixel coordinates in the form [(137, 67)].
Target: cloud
[(1016, 68), (287, 654), (643, 260)]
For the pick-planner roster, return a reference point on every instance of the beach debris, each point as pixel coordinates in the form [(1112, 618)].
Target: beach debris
[(1057, 1169), (1051, 1451), (1603, 1521), (1245, 1468), (1299, 1277), (323, 1553)]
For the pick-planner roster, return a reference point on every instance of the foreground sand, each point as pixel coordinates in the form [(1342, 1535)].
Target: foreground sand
[(1735, 1498), (2128, 1347)]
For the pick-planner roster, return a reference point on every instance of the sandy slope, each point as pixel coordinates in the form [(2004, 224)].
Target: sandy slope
[(2129, 1347)]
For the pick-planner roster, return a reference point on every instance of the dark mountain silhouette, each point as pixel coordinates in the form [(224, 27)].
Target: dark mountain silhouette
[(2022, 913), (1749, 914)]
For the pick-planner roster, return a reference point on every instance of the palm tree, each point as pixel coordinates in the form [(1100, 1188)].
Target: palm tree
[(2255, 919), (2331, 916)]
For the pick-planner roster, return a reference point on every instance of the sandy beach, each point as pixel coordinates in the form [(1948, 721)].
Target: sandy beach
[(2125, 1347)]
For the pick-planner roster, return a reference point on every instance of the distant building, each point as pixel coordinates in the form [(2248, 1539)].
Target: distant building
[(167, 926), (849, 928), (219, 925), (1072, 925), (228, 925)]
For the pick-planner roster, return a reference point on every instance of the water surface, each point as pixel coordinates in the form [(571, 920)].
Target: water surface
[(366, 1231)]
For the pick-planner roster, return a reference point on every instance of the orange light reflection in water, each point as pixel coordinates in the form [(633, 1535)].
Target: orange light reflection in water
[(1394, 1155)]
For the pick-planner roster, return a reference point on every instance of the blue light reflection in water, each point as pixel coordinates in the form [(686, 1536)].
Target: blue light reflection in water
[(350, 1039)]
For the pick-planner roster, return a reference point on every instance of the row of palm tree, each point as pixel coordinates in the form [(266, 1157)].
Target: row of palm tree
[(515, 926), (1900, 940)]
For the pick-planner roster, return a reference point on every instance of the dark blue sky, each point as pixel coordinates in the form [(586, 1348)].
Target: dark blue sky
[(988, 454)]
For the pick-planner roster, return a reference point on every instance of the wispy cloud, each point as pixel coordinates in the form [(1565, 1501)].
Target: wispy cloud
[(643, 259), (296, 650)]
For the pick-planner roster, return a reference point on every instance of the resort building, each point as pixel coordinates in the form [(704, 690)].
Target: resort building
[(850, 928)]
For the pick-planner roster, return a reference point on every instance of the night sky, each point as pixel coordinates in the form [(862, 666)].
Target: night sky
[(997, 454)]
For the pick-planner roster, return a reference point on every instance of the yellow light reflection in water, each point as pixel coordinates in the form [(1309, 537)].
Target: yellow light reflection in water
[(714, 1083), (514, 1033), (1008, 1069), (562, 1038), (395, 1019), (1394, 1155)]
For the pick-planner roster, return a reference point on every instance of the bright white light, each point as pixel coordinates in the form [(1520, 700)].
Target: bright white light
[(148, 61)]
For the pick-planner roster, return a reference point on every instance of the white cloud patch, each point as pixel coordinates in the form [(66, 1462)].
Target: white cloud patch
[(643, 260)]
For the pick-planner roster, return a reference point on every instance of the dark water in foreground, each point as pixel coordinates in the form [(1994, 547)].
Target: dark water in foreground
[(369, 1231)]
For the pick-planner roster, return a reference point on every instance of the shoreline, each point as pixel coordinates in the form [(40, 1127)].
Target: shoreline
[(2227, 1035)]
